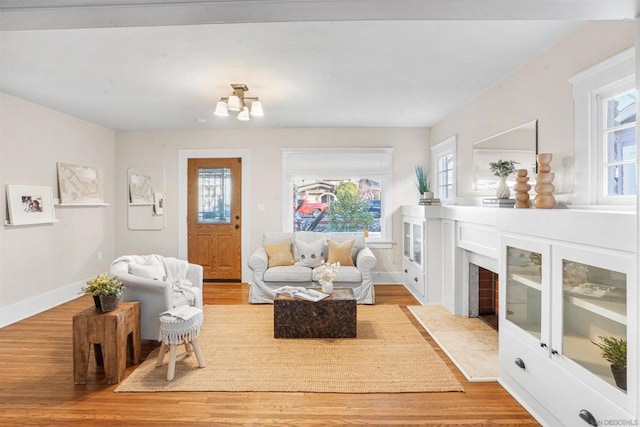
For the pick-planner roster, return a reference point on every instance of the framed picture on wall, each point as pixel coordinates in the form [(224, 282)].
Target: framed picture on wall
[(79, 184), (30, 204), (140, 189)]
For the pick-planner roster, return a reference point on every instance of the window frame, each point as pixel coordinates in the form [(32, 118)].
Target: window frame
[(616, 72), (341, 163), (439, 151)]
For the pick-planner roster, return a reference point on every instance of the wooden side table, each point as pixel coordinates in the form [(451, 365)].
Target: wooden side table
[(109, 332)]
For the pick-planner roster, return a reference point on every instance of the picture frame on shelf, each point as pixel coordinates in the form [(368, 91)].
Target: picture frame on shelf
[(140, 189), (30, 204), (79, 185)]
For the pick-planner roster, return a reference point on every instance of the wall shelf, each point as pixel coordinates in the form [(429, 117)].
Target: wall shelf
[(79, 205), (23, 224)]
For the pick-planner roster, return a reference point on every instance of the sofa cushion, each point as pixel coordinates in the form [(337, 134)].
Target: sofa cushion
[(358, 238), (279, 253), (294, 273), (310, 254), (345, 274), (341, 252)]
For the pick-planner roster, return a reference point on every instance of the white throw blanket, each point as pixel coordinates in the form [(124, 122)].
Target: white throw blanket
[(175, 272)]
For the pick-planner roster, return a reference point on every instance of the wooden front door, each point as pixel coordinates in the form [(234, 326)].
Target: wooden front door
[(213, 219)]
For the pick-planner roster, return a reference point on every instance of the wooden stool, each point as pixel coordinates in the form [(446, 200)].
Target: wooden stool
[(178, 326), (109, 332)]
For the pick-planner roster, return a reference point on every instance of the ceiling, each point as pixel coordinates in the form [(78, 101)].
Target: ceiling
[(308, 73)]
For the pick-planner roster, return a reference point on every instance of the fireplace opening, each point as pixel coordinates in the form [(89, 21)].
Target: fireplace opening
[(488, 297), (483, 294)]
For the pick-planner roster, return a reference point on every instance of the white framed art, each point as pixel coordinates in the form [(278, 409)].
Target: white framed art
[(79, 185), (30, 204)]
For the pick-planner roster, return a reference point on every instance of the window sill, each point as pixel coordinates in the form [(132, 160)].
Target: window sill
[(379, 245)]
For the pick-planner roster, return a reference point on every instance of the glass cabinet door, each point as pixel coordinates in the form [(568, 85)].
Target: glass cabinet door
[(524, 289), (406, 242), (417, 243), (594, 313)]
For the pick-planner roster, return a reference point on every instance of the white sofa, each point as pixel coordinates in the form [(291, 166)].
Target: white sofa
[(265, 280), (160, 284)]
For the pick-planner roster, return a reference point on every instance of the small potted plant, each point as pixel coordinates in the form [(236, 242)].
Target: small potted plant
[(422, 183), (614, 351), (106, 291), (502, 169)]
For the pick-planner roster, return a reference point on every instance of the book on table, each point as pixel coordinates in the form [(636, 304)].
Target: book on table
[(301, 293)]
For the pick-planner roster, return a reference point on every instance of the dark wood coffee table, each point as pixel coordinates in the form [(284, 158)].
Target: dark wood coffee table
[(332, 317)]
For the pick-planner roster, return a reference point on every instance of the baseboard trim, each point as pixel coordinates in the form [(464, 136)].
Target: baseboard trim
[(13, 313), (386, 278)]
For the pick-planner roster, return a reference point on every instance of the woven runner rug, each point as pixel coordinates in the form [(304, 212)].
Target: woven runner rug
[(388, 356)]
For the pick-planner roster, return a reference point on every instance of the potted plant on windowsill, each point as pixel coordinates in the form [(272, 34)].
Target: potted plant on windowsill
[(422, 183), (614, 351), (106, 291), (502, 169)]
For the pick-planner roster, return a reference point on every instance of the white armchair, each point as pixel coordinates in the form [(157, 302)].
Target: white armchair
[(160, 284)]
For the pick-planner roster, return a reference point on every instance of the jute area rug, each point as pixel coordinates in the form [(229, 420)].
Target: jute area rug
[(471, 344), (388, 356)]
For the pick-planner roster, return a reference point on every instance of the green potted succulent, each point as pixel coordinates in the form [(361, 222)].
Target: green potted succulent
[(614, 351), (422, 183), (106, 291), (502, 169)]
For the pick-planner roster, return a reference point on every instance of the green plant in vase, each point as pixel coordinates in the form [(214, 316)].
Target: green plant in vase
[(106, 289), (502, 169), (422, 182), (614, 351)]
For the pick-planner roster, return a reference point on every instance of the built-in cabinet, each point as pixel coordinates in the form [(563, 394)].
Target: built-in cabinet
[(422, 253), (556, 300)]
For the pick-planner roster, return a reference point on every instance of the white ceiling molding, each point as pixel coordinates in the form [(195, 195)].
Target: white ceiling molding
[(67, 14)]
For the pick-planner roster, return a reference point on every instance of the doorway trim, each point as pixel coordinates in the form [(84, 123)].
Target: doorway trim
[(183, 166)]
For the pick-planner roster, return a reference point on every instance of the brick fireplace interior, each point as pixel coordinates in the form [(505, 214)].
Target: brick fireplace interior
[(488, 297)]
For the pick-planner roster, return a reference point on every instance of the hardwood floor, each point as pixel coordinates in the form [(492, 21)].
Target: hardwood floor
[(37, 387)]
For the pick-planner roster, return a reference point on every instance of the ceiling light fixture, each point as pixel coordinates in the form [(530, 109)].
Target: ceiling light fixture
[(238, 103)]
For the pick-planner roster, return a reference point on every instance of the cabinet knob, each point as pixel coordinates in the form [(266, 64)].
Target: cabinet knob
[(415, 279), (587, 417), (543, 345), (554, 352), (406, 271), (520, 363)]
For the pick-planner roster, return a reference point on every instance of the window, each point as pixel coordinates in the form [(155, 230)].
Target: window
[(338, 190), (605, 132), (443, 155), (617, 137)]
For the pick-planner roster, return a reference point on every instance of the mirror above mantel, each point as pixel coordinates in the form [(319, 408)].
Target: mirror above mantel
[(519, 144)]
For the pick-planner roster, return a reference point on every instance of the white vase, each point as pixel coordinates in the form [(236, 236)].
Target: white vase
[(327, 286), (503, 191)]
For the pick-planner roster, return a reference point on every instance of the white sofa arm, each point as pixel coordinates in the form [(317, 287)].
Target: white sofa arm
[(365, 259), (259, 261)]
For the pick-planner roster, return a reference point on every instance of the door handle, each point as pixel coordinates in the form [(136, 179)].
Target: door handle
[(237, 226), (237, 216)]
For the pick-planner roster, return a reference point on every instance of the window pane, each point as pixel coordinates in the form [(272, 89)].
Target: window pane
[(621, 180), (621, 109), (332, 205), (621, 145), (214, 195)]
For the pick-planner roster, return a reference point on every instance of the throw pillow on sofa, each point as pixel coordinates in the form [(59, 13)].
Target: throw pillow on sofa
[(310, 254), (279, 254), (340, 252)]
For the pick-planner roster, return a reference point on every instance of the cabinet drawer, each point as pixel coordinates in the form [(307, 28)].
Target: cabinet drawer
[(533, 373), (413, 278), (562, 394)]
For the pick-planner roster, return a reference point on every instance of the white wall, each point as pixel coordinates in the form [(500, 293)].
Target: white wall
[(44, 265), (410, 147), (538, 90)]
